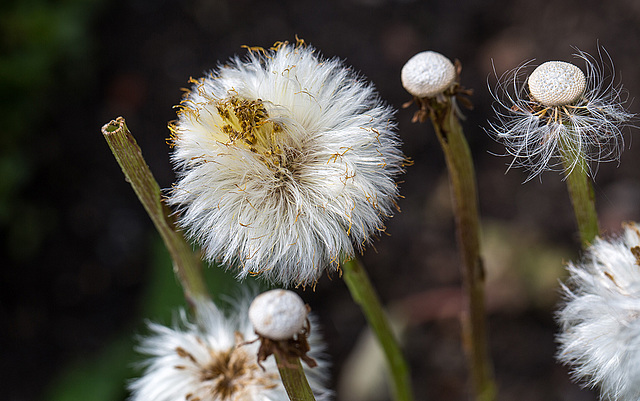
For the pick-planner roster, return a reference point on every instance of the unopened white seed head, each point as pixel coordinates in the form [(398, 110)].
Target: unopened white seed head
[(278, 314), (427, 74), (556, 83)]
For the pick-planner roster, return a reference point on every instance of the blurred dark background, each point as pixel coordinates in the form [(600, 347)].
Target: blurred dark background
[(82, 266)]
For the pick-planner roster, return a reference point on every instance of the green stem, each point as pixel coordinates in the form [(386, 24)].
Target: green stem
[(364, 294), (293, 378), (465, 201), (186, 264), (582, 195)]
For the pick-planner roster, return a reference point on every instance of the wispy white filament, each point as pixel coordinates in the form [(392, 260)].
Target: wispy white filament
[(600, 320), (208, 359), (547, 131), (286, 164)]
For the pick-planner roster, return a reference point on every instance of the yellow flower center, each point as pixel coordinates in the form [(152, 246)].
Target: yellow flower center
[(246, 123)]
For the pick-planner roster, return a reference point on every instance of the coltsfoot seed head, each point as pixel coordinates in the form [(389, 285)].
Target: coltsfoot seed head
[(286, 163), (600, 317), (209, 356), (560, 106), (278, 314), (427, 74), (556, 83)]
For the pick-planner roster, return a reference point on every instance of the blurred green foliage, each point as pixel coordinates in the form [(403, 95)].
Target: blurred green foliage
[(103, 376), (46, 55)]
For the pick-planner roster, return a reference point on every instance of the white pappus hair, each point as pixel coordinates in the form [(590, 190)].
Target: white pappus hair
[(600, 318)]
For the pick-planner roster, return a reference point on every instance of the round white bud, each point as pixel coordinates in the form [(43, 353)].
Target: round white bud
[(556, 83), (427, 74), (278, 314)]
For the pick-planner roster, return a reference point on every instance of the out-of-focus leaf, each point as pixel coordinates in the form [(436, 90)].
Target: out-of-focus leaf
[(103, 376)]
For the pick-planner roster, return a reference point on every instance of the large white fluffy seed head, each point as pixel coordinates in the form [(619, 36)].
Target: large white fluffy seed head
[(556, 83), (212, 357), (600, 320), (286, 164), (427, 74), (278, 314)]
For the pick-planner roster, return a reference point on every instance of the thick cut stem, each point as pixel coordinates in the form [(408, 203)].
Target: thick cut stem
[(186, 264), (465, 202), (582, 196), (293, 378), (363, 293)]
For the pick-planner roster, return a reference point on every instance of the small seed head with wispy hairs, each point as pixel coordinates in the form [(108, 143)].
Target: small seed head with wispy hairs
[(560, 116), (427, 74), (556, 83)]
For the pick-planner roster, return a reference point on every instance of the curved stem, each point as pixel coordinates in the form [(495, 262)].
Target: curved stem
[(186, 264), (363, 293), (465, 201)]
